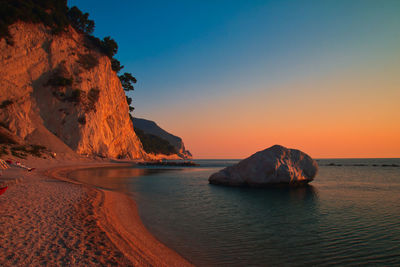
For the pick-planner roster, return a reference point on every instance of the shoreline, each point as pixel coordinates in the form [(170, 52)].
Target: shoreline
[(119, 217), (113, 213)]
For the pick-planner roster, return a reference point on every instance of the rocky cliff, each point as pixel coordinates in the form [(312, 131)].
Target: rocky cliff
[(58, 91), (150, 127)]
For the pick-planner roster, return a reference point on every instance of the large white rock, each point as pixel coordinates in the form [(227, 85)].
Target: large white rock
[(276, 165)]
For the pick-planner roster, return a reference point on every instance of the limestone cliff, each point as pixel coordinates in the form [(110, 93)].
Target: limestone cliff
[(59, 87), (150, 127)]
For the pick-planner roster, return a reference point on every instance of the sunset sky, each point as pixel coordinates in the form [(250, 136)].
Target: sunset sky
[(234, 77)]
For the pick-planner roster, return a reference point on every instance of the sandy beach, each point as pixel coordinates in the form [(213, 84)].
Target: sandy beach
[(47, 219)]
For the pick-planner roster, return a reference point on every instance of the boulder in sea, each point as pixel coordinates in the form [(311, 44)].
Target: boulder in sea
[(276, 165)]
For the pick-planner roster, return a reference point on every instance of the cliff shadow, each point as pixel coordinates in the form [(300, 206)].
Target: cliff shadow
[(56, 106)]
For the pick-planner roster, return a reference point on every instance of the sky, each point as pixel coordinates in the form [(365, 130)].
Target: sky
[(235, 77)]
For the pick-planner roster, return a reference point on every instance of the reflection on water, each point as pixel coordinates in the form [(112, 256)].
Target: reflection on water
[(290, 194), (350, 215), (229, 226), (113, 178)]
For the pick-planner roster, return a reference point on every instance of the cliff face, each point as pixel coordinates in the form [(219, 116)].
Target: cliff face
[(58, 87), (150, 127)]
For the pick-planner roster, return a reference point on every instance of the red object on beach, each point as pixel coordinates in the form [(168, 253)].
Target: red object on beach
[(3, 189)]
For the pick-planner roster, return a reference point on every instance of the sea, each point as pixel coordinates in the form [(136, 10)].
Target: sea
[(348, 216)]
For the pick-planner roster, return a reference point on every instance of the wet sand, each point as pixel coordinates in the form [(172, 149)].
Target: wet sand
[(46, 219)]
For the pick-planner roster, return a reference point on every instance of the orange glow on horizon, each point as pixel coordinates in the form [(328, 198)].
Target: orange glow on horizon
[(346, 115)]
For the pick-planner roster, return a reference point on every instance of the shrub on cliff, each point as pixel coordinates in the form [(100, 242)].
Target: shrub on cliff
[(22, 151), (127, 81), (56, 15), (80, 21), (94, 95), (3, 150), (109, 47), (59, 80), (76, 96), (52, 13), (93, 98), (116, 65), (82, 120), (88, 61), (5, 103), (129, 101)]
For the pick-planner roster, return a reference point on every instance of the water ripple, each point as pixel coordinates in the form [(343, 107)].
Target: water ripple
[(349, 216)]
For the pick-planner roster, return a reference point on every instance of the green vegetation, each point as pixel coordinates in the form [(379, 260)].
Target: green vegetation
[(87, 100), (116, 65), (4, 125), (93, 98), (56, 15), (80, 21), (109, 47), (8, 141), (82, 120), (127, 81), (76, 96), (37, 150), (129, 101), (21, 151), (49, 12), (94, 95), (3, 151), (52, 13), (154, 144), (88, 61), (6, 103), (58, 80)]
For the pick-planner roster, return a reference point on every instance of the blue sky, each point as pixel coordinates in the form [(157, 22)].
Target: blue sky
[(189, 56)]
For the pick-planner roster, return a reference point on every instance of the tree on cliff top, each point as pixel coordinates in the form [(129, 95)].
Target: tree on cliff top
[(127, 81), (56, 15), (109, 47), (80, 21), (52, 13), (116, 65)]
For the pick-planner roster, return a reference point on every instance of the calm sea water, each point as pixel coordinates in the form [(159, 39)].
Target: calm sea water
[(350, 215)]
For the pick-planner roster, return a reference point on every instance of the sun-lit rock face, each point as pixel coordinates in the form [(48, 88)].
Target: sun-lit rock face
[(48, 81), (272, 166)]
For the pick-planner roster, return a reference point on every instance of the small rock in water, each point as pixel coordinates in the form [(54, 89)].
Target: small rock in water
[(276, 165)]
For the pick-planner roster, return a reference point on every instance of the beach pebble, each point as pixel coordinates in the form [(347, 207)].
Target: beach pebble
[(276, 165)]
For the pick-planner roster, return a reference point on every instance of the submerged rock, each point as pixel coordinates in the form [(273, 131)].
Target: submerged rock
[(276, 165)]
